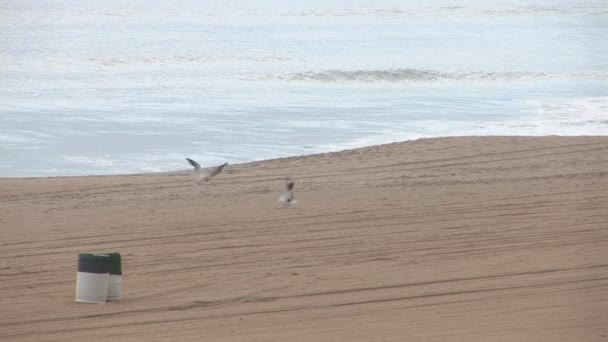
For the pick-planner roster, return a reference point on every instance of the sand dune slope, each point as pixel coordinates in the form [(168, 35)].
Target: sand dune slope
[(453, 239)]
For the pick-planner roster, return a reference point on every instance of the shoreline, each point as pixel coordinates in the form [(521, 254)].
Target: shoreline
[(435, 239), (308, 155)]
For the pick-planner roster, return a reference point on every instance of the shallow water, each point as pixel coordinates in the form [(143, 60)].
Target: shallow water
[(120, 87)]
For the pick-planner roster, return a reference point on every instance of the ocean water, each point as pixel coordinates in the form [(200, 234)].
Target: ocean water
[(112, 87)]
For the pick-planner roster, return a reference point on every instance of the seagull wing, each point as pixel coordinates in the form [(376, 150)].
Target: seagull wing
[(290, 185), (196, 165), (208, 172), (212, 171)]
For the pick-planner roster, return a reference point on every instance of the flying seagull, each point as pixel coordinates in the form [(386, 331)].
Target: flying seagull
[(287, 197), (205, 174)]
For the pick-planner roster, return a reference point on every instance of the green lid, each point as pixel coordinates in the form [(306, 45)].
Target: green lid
[(115, 264), (93, 263)]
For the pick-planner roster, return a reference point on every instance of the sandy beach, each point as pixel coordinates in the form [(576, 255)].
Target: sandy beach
[(449, 239)]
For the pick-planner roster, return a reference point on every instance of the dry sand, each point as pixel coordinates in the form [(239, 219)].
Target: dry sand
[(452, 239)]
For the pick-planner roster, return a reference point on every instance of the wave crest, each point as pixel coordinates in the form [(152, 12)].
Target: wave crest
[(446, 11), (180, 59), (416, 75)]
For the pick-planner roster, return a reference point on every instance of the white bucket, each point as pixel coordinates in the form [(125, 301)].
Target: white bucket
[(91, 287), (115, 280), (92, 278), (114, 287)]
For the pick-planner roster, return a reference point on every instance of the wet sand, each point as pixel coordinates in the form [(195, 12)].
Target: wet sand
[(450, 239)]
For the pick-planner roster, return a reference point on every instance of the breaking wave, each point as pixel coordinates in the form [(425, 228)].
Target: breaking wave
[(415, 75), (444, 11), (181, 59)]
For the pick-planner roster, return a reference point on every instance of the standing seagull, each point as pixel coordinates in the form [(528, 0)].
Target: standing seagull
[(205, 174), (287, 197)]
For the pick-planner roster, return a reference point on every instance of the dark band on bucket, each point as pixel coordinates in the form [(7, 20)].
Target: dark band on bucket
[(115, 264), (94, 263)]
